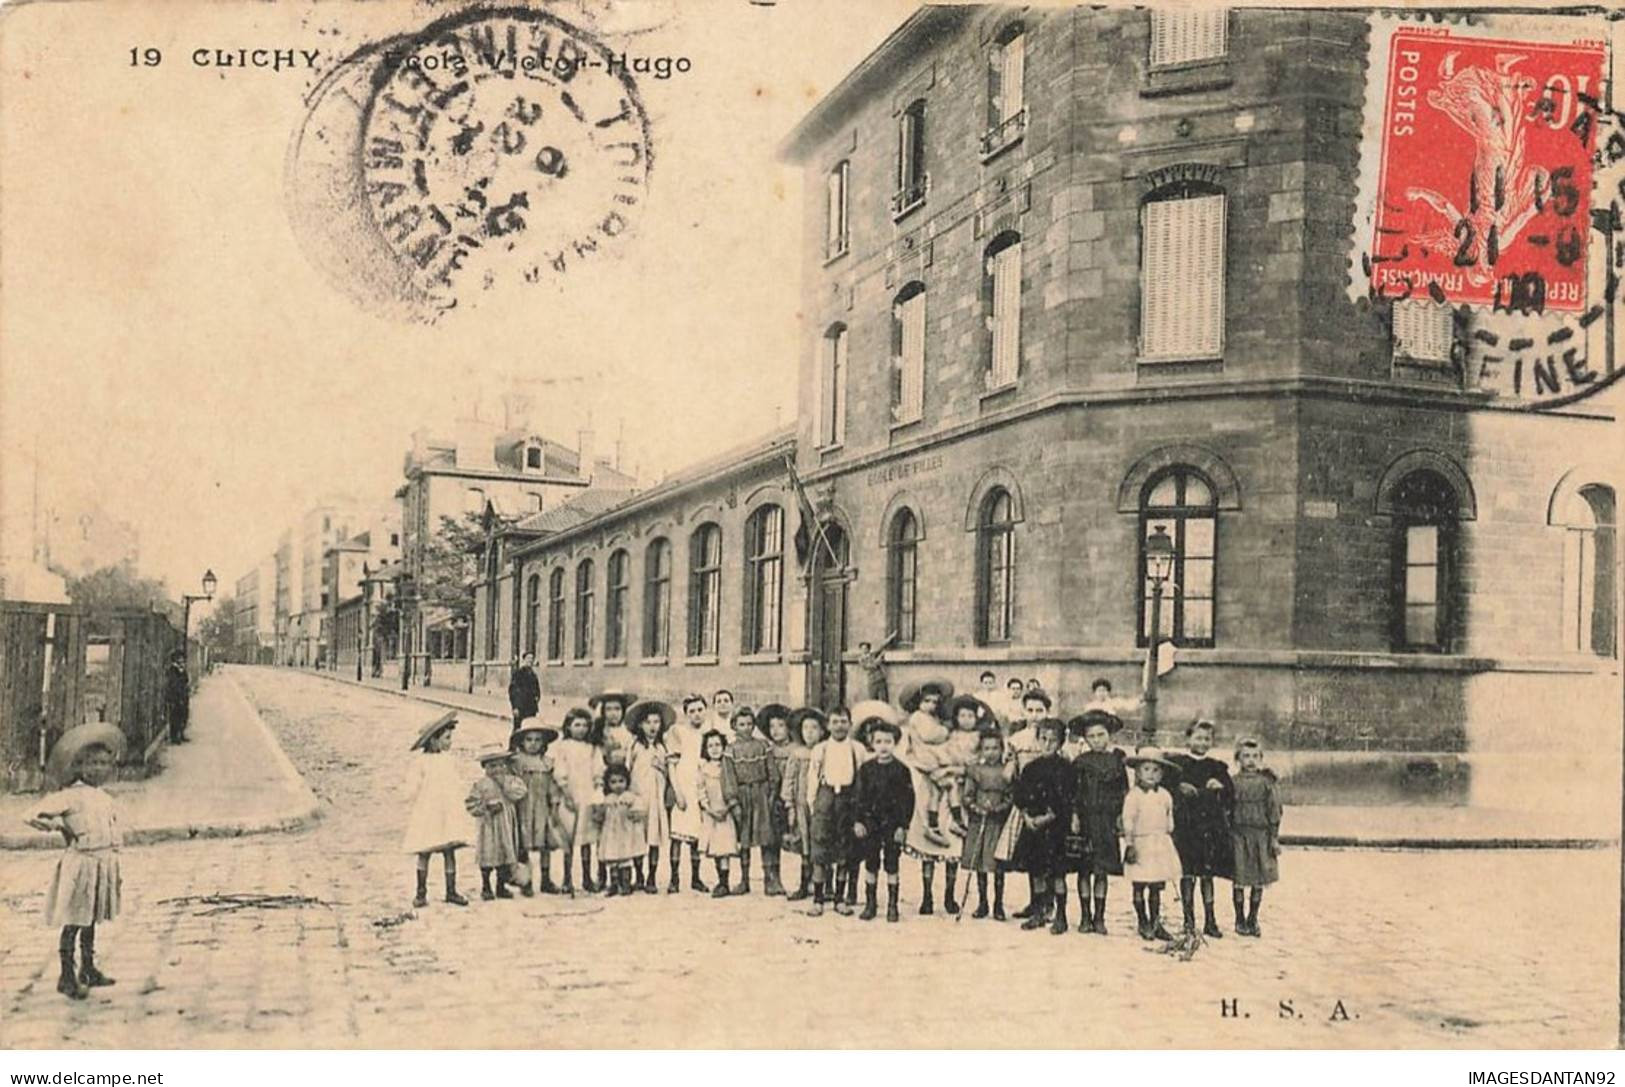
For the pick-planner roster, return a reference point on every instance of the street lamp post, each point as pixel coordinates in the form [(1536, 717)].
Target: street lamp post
[(209, 584), (1159, 564)]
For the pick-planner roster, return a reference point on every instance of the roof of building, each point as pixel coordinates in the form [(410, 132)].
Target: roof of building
[(771, 446), (902, 48), (578, 509)]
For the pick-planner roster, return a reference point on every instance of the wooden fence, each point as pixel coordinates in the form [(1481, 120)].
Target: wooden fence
[(61, 666)]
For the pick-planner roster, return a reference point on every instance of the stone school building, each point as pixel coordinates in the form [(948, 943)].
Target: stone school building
[(1075, 279)]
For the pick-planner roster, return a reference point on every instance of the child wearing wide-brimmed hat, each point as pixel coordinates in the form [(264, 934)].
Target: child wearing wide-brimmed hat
[(806, 731), (648, 765), (87, 884), (578, 767), (491, 801), (1102, 786), (1149, 857), (1255, 833), (544, 807), (438, 822), (937, 764)]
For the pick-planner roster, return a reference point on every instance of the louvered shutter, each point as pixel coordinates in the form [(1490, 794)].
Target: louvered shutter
[(995, 88), (1015, 63), (1423, 330), (1182, 278), (912, 358), (1006, 314), (832, 212), (1181, 37), (838, 393)]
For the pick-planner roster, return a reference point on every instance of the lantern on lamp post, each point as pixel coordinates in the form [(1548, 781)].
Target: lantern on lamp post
[(210, 583), (1159, 566)]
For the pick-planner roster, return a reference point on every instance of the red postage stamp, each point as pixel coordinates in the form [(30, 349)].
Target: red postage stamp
[(1485, 178)]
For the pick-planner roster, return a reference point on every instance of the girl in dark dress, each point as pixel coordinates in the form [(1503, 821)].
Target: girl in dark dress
[(1044, 794), (1102, 785), (1203, 799)]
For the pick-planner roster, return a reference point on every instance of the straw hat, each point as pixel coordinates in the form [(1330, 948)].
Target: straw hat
[(913, 692), (492, 753), (1083, 722), (772, 710), (1150, 753), (533, 724), (625, 698), (984, 712), (74, 741), (444, 721), (652, 705), (873, 707)]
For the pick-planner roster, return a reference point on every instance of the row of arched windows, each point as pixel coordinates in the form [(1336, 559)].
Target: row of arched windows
[(576, 599)]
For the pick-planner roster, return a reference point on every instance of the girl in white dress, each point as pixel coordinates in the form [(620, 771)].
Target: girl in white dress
[(87, 885), (438, 822), (1149, 856), (578, 767), (687, 821)]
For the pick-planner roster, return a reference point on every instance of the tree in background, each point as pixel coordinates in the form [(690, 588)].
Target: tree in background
[(450, 563), (111, 587), (218, 630)]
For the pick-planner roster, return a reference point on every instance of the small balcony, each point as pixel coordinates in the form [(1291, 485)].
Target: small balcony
[(1004, 135), (909, 197)]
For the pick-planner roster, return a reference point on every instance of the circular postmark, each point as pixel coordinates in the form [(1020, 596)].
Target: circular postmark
[(496, 145)]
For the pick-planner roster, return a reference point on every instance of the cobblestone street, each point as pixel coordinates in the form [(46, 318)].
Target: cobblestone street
[(1456, 948)]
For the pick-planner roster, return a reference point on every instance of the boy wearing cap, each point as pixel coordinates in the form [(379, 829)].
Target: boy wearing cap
[(832, 772), (882, 809)]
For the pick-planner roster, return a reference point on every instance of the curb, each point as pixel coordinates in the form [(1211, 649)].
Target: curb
[(1336, 841), (304, 813), (445, 703)]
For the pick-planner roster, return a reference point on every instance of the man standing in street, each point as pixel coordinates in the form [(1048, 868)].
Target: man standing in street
[(524, 689), (177, 696)]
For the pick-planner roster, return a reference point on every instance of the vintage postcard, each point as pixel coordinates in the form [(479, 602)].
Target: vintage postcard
[(731, 524)]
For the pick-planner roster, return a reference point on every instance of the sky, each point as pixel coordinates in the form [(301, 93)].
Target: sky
[(174, 356)]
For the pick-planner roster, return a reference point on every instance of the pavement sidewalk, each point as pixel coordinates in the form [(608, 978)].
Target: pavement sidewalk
[(1372, 827), (231, 779)]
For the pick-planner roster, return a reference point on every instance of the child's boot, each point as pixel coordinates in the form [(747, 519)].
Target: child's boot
[(1059, 926), (1086, 923), (772, 886), (981, 896), (1238, 900), (800, 893), (744, 875), (675, 883), (651, 881), (1187, 903), (451, 889), (817, 908), (852, 890), (695, 883), (869, 907), (68, 983), (1210, 924), (1100, 915), (928, 904), (544, 864), (933, 834), (587, 884), (1141, 915), (998, 896), (891, 903), (421, 899), (721, 889), (1154, 911), (950, 904), (486, 893), (1254, 898), (502, 882), (1036, 910), (89, 976)]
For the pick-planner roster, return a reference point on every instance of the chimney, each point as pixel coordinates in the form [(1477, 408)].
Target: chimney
[(584, 453)]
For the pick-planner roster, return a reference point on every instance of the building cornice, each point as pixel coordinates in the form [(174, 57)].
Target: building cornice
[(419, 470)]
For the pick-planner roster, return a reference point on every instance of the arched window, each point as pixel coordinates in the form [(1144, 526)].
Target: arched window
[(902, 575), (996, 568), (1179, 500), (657, 599), (1425, 509), (1589, 555), (1001, 300), (1182, 272), (555, 615), (473, 500), (832, 387), (584, 614), (704, 590), (764, 579), (908, 353), (533, 609), (620, 579)]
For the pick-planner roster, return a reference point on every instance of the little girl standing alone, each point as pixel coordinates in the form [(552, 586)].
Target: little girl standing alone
[(1255, 832), (1149, 857), (719, 839), (87, 884), (579, 770), (438, 823)]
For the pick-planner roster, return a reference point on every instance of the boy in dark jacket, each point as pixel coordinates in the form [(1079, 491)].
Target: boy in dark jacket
[(882, 809)]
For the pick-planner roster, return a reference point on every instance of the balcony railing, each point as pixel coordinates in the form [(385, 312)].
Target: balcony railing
[(909, 197), (1004, 134)]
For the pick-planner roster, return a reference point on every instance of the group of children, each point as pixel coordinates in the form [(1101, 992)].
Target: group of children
[(947, 780)]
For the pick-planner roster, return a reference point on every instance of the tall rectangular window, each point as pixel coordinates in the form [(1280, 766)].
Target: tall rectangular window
[(908, 354), (1006, 89), (615, 605), (1186, 37), (1004, 310), (1424, 331), (584, 610), (836, 237), (911, 178), (832, 391), (704, 590), (657, 599), (1182, 276), (555, 615)]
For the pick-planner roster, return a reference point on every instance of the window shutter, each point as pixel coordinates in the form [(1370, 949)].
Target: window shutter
[(1181, 37), (1182, 278), (1207, 275), (1423, 330), (1006, 314), (1156, 299), (1015, 63), (996, 62), (838, 393), (832, 212), (912, 358)]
